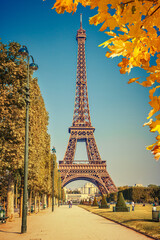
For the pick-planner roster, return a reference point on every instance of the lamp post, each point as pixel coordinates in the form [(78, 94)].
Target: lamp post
[(24, 52), (54, 159)]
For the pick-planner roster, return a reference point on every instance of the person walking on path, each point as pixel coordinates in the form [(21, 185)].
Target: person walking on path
[(133, 205)]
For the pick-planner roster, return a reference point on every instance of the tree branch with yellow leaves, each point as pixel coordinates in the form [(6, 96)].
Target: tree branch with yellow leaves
[(134, 31)]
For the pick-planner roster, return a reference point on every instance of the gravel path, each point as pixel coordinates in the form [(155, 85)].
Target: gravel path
[(67, 224)]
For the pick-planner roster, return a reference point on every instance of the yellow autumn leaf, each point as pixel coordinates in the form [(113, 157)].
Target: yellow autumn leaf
[(155, 102), (132, 80), (157, 156), (150, 147), (111, 33), (148, 123)]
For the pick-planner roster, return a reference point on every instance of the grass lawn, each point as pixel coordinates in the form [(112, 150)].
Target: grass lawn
[(139, 219)]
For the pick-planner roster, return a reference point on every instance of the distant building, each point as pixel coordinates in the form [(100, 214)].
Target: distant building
[(138, 185), (88, 191)]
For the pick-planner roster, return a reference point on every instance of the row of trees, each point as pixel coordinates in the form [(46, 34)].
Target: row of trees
[(13, 76), (76, 191), (149, 194), (142, 194)]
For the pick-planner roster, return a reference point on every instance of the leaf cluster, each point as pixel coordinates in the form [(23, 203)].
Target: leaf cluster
[(133, 32)]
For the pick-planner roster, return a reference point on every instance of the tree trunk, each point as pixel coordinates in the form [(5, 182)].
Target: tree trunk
[(10, 198), (30, 201), (4, 205), (39, 198), (21, 202), (49, 200), (45, 200), (16, 196), (35, 202)]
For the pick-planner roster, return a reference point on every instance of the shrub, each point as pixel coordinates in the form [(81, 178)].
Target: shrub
[(90, 201), (121, 205), (104, 203), (95, 203)]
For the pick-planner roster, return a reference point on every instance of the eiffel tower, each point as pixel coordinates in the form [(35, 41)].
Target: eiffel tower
[(81, 130)]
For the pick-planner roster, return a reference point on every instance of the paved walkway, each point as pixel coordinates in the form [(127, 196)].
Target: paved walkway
[(67, 224)]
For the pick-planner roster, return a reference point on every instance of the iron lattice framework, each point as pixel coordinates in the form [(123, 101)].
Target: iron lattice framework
[(81, 130)]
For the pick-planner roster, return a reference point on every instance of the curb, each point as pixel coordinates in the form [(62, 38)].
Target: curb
[(136, 230)]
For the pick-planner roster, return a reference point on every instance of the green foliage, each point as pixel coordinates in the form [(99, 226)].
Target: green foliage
[(39, 142), (152, 185), (95, 203), (13, 72), (142, 194), (63, 195), (56, 175), (104, 203), (76, 191), (112, 197), (121, 205), (12, 107)]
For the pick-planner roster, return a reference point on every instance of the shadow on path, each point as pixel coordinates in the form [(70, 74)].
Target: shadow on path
[(9, 232), (136, 220)]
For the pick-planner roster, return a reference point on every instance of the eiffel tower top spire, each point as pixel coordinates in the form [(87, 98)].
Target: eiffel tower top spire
[(81, 116), (81, 33), (81, 20)]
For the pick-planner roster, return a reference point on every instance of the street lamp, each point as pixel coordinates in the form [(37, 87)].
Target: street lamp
[(24, 52), (54, 159)]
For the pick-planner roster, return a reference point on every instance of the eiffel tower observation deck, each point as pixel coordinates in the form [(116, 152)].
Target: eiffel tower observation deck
[(82, 130)]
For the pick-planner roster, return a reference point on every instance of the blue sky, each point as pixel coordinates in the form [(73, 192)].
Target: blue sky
[(118, 110)]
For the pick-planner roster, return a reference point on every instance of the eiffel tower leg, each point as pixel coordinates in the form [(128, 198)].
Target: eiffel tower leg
[(109, 183), (92, 150), (70, 151), (102, 189), (105, 183)]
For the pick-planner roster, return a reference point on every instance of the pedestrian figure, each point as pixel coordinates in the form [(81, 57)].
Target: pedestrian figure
[(154, 209), (71, 203), (132, 206)]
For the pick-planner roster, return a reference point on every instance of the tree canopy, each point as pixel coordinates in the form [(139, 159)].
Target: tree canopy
[(13, 77), (133, 28)]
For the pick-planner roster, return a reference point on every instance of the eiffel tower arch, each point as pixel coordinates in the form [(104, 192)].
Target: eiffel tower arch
[(94, 170)]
